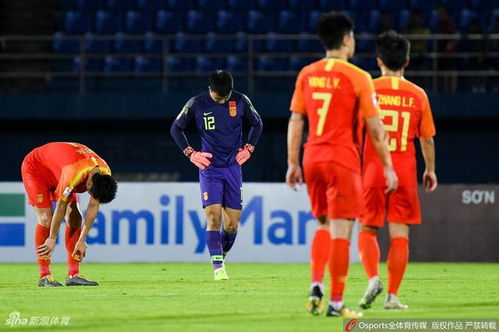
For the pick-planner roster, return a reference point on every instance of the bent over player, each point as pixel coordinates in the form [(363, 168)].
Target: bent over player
[(336, 97), (406, 114), (218, 115), (56, 172)]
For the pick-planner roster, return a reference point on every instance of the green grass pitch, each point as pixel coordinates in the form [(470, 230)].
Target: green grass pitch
[(259, 297)]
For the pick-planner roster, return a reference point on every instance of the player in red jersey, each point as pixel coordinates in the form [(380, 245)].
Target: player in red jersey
[(56, 172), (406, 114), (335, 97)]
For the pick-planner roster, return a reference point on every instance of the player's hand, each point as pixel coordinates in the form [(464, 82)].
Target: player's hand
[(79, 251), (244, 154), (391, 180), (294, 176), (430, 181), (45, 250)]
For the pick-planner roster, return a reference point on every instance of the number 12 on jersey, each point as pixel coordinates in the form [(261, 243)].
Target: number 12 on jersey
[(322, 111)]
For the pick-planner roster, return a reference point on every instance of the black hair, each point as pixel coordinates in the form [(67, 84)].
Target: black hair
[(221, 82), (332, 27), (104, 188), (393, 49)]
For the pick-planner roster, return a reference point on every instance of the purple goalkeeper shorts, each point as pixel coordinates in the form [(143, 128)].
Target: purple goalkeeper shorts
[(222, 185)]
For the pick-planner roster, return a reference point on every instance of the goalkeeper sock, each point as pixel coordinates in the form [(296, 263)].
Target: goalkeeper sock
[(41, 234), (338, 267), (215, 248), (227, 239), (369, 253), (319, 254), (398, 256), (71, 236)]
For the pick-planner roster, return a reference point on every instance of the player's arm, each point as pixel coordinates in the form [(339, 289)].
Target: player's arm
[(256, 128), (369, 108), (48, 247), (429, 177), (294, 174), (81, 246), (200, 159)]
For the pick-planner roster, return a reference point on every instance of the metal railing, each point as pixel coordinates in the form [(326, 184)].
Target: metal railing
[(441, 68)]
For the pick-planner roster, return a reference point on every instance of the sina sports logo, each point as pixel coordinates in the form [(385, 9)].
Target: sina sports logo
[(232, 108), (350, 325)]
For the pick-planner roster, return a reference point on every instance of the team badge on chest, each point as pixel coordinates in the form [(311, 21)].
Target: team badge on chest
[(232, 108)]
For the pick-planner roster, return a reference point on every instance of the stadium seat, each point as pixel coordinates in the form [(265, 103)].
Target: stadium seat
[(119, 5), (311, 23), (62, 45), (90, 64), (423, 5), (260, 22), (150, 5), (126, 44), (309, 45), (204, 63), (216, 44), (274, 44), (236, 64), (362, 4), (168, 22), (199, 22), (229, 22), (242, 6), (107, 23), (179, 64), (76, 23), (137, 23), (210, 4), (303, 5), (145, 64), (184, 44), (180, 5), (89, 6), (392, 5), (290, 22), (271, 5), (296, 63), (266, 63), (114, 64), (327, 5), (153, 44), (93, 45)]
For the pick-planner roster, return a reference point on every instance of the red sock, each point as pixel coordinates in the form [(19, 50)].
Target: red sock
[(72, 236), (319, 254), (369, 253), (338, 267), (398, 256), (41, 234)]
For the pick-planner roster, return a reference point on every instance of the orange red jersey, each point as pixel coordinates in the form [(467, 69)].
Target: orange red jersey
[(406, 114), (59, 170), (334, 95)]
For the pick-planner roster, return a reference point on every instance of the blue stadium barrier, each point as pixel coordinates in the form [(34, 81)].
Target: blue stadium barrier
[(169, 22), (107, 23)]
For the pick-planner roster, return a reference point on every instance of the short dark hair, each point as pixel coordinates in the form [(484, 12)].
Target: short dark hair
[(393, 49), (221, 82), (104, 188), (332, 27)]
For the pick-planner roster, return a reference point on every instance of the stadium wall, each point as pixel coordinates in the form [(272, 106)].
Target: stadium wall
[(164, 222)]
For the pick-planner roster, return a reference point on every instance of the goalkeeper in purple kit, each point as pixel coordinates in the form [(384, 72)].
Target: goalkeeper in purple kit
[(218, 116)]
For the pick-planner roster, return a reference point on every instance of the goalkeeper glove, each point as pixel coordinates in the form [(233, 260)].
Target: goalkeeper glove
[(244, 154), (200, 159)]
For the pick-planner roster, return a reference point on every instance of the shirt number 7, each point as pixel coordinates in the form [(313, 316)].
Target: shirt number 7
[(322, 111)]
